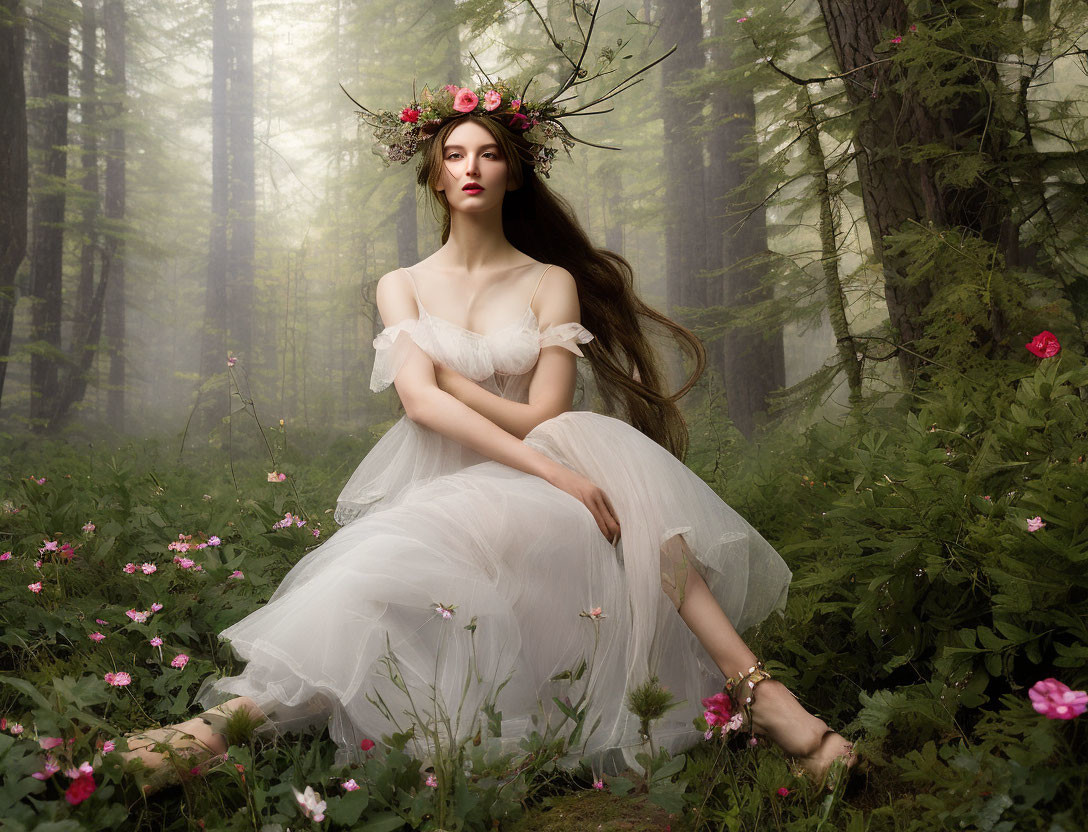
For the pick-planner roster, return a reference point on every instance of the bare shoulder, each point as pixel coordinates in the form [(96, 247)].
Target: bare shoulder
[(557, 297), (394, 297)]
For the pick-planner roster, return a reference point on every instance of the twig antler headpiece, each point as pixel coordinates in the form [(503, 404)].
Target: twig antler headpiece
[(400, 134)]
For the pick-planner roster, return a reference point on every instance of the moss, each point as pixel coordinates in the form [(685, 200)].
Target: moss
[(594, 811)]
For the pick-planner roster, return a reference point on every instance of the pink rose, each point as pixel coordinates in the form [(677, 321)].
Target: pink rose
[(1044, 345), (492, 99), (465, 100), (1055, 700), (452, 89)]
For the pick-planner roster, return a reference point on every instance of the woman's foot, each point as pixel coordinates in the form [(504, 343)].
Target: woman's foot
[(195, 738), (778, 714)]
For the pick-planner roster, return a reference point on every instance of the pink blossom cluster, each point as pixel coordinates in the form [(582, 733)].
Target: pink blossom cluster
[(289, 519)]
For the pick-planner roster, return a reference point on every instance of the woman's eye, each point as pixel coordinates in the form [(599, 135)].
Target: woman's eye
[(488, 153)]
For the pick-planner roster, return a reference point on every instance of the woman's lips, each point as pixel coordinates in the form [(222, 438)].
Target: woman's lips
[(472, 189)]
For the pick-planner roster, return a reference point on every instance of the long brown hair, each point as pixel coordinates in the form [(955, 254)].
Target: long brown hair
[(542, 224)]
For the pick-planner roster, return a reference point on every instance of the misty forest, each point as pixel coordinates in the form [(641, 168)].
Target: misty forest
[(873, 214)]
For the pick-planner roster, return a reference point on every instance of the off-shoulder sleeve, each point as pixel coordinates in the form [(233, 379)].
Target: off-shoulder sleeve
[(391, 349), (568, 335)]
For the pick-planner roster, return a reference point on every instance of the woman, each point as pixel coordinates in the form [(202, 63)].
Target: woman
[(496, 530)]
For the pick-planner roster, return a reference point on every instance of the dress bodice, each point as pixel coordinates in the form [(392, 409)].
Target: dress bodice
[(501, 361)]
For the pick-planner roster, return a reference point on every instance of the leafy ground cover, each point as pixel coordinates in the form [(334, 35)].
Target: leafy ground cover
[(938, 546)]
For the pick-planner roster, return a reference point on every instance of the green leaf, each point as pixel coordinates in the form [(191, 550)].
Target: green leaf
[(385, 822)]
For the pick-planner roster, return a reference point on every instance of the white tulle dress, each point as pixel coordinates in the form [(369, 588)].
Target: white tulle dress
[(428, 523)]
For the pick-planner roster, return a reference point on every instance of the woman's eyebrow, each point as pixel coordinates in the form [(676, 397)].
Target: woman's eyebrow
[(461, 147)]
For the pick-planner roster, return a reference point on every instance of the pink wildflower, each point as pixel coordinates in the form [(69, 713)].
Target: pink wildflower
[(156, 607), (180, 660), (214, 540), (783, 791), (350, 785), (88, 527), (432, 781), (492, 99), (1054, 699), (156, 642), (148, 568), (237, 574), (118, 679), (96, 636), (1035, 523), (50, 742), (598, 783), (35, 587), (5, 556), (129, 568)]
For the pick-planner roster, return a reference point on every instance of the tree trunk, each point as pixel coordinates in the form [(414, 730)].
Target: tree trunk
[(89, 132), (243, 193), (684, 183), (113, 262), (751, 364), (13, 168), (214, 340), (49, 62), (894, 189)]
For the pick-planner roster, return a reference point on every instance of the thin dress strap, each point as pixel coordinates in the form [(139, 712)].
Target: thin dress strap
[(415, 291), (539, 279)]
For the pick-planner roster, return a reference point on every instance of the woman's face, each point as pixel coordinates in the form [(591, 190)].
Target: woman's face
[(471, 156)]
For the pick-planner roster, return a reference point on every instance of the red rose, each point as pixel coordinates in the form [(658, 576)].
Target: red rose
[(409, 114), (366, 745), (1044, 344), (80, 789)]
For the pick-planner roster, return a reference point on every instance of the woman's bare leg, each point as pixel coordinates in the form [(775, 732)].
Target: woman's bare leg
[(206, 742), (775, 711)]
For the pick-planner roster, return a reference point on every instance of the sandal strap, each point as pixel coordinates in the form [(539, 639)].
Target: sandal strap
[(743, 684)]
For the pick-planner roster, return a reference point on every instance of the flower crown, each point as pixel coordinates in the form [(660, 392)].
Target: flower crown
[(399, 134)]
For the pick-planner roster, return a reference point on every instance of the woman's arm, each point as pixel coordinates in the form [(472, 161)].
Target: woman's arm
[(551, 389), (427, 405)]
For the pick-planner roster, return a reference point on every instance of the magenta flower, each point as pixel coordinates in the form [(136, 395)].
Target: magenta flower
[(156, 642), (50, 546), (180, 660), (432, 781), (16, 728), (88, 527), (741, 19), (897, 39), (492, 99), (129, 568), (96, 636), (139, 616), (231, 359), (108, 746), (783, 791), (719, 709), (185, 563), (1055, 700), (1035, 523), (350, 785), (48, 770), (237, 574), (156, 607), (35, 587), (444, 611), (1044, 345), (214, 540), (100, 621), (5, 556), (118, 679), (38, 563), (598, 783), (50, 742), (148, 568)]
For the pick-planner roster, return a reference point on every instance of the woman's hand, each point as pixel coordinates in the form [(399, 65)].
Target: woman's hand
[(591, 497)]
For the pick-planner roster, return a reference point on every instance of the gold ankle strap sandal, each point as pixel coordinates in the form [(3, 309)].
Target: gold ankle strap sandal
[(740, 689)]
